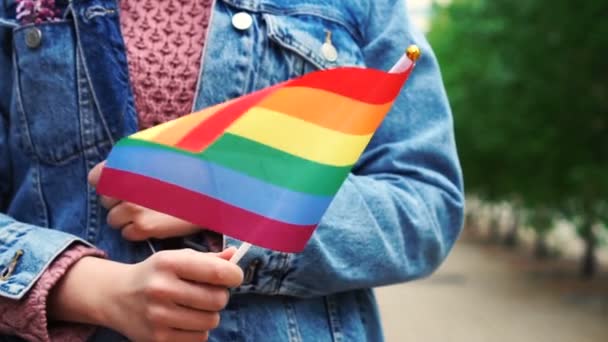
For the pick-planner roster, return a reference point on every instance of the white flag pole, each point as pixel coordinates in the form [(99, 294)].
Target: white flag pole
[(411, 55), (240, 253)]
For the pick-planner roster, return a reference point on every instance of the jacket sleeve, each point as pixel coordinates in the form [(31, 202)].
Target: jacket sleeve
[(400, 210), (25, 250), (27, 318)]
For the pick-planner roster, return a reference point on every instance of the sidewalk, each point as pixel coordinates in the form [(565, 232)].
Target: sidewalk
[(487, 294)]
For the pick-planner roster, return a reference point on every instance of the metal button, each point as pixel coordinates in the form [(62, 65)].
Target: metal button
[(242, 21), (329, 52), (8, 270), (250, 271), (33, 37)]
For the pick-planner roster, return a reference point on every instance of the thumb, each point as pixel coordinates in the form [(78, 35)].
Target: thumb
[(227, 253), (95, 173)]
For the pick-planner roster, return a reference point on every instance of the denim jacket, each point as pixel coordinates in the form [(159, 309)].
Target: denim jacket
[(65, 99)]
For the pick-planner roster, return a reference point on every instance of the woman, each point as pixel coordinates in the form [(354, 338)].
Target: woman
[(77, 76)]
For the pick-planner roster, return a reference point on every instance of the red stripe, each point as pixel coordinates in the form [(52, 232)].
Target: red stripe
[(366, 85), (204, 211), (209, 130)]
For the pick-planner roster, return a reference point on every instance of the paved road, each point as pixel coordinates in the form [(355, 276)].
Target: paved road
[(481, 295)]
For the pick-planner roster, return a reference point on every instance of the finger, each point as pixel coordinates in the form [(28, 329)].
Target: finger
[(153, 224), (183, 318), (206, 268), (165, 226), (134, 232), (95, 173), (200, 296), (227, 253), (121, 215), (108, 202), (188, 336), (93, 178)]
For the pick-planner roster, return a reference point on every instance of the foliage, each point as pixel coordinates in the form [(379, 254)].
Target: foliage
[(528, 84)]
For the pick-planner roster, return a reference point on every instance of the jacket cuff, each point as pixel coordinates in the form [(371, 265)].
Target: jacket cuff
[(27, 318), (27, 252)]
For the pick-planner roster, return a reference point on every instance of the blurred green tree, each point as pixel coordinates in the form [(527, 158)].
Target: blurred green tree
[(528, 84)]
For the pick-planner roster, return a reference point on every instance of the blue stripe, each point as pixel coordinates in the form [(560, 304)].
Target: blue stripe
[(221, 183)]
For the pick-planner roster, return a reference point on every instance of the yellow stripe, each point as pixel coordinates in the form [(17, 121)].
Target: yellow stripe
[(345, 114), (300, 138), (172, 131), (185, 125), (152, 132)]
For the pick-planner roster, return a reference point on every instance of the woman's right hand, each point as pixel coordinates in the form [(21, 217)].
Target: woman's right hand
[(171, 296)]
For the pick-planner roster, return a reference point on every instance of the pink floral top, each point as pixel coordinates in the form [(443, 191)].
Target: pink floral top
[(164, 41)]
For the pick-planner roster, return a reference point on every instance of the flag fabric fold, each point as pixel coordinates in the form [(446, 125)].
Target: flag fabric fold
[(262, 168)]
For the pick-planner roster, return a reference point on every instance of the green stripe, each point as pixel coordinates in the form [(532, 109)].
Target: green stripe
[(265, 163)]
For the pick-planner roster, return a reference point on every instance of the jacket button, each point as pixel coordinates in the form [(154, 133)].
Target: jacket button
[(251, 271), (242, 21), (329, 52), (8, 270), (328, 49), (33, 37)]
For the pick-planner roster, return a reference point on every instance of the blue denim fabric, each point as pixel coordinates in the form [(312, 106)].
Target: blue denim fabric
[(64, 103)]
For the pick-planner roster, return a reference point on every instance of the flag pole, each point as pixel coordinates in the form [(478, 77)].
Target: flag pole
[(240, 253), (412, 54)]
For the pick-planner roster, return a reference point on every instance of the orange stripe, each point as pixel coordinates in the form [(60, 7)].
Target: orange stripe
[(203, 135), (365, 85), (182, 126), (329, 110)]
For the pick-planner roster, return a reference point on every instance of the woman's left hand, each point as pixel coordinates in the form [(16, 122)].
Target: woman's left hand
[(138, 223)]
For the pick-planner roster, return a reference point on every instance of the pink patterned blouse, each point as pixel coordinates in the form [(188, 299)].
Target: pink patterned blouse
[(164, 41)]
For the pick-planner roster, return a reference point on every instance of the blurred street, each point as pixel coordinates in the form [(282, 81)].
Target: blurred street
[(488, 293)]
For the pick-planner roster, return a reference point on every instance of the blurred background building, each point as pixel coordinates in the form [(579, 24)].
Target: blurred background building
[(528, 86)]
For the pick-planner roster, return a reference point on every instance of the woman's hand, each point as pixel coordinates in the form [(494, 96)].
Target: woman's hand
[(171, 296), (175, 296), (138, 223)]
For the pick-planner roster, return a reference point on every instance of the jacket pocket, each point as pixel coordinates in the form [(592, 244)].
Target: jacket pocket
[(47, 113), (308, 42)]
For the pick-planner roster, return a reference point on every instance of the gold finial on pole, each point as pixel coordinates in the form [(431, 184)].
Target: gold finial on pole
[(413, 52)]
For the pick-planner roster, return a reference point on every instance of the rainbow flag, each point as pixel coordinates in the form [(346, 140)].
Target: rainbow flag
[(262, 168)]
